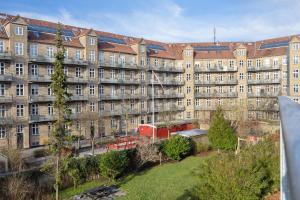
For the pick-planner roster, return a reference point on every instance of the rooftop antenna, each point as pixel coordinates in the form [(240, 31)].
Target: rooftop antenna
[(214, 35)]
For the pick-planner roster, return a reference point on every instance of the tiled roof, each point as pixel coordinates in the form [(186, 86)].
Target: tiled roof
[(112, 47), (50, 39)]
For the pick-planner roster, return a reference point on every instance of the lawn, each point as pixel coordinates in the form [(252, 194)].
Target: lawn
[(169, 181), (69, 192)]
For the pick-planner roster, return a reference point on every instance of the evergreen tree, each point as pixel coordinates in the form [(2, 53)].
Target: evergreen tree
[(220, 133), (59, 139)]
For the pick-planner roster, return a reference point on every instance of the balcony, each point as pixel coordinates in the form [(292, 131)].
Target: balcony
[(41, 59), (264, 107), (119, 96), (79, 97), (264, 81), (6, 99), (40, 118), (216, 69), (7, 120), (5, 55), (41, 98), (217, 82), (124, 81), (81, 79), (167, 82), (166, 69), (263, 94), (167, 95), (6, 77), (216, 95), (107, 113), (72, 61), (119, 65), (40, 78), (263, 68)]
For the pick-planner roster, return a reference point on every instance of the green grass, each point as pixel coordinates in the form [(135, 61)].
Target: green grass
[(69, 192), (169, 181)]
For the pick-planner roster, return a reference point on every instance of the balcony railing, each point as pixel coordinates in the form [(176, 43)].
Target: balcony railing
[(217, 82), (106, 113), (264, 81), (216, 69), (167, 95), (5, 55), (120, 80), (41, 59), (72, 61), (263, 107), (167, 82), (75, 97), (6, 99), (40, 78), (289, 149), (118, 65), (263, 68), (82, 79), (166, 68), (40, 118), (6, 77), (216, 95), (263, 94), (41, 98)]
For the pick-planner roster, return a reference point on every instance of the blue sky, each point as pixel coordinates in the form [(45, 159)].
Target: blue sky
[(170, 20)]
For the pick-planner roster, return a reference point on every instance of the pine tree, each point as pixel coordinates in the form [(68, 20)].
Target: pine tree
[(59, 139), (220, 133)]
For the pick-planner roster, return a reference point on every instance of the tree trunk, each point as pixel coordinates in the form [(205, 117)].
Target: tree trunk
[(57, 178), (93, 144)]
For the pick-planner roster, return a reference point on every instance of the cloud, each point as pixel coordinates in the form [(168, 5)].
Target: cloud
[(168, 21)]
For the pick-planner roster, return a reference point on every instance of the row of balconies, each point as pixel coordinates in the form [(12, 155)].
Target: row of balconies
[(265, 107), (67, 61), (216, 69), (216, 95), (119, 65), (263, 94), (263, 81), (263, 68), (217, 82), (166, 68)]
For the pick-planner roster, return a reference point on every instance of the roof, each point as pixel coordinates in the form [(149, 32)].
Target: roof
[(190, 133)]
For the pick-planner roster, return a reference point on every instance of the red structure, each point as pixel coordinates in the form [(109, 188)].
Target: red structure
[(161, 130), (122, 143)]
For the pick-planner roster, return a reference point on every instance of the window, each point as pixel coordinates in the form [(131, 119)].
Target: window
[(275, 62), (78, 72), (241, 76), (20, 129), (101, 56), (33, 70), (143, 89), (156, 62), (92, 106), (296, 59), (284, 60), (1, 46), (92, 56), (92, 73), (231, 63), (296, 88), (101, 89), (188, 102), (143, 49), (249, 76), (249, 63), (50, 92), (92, 41), (33, 50), (66, 71), (241, 63), (19, 48), (267, 62), (78, 108), (143, 61), (188, 89), (19, 30), (258, 63), (50, 70), (34, 89), (208, 102), (188, 77), (2, 132), (2, 111), (188, 65), (112, 74), (2, 89), (78, 89), (284, 74), (50, 109), (66, 54), (78, 55), (276, 76), (296, 46), (241, 88), (19, 89), (101, 73), (296, 73), (92, 89), (34, 129), (34, 109), (50, 52), (19, 69), (143, 75), (2, 68)]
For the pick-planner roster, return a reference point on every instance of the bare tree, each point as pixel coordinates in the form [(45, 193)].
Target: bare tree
[(147, 152), (89, 120)]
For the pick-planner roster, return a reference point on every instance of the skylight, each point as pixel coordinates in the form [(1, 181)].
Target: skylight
[(155, 47), (110, 39), (45, 29), (274, 45), (211, 48)]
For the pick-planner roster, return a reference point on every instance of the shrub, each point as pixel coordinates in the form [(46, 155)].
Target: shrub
[(113, 164), (177, 147), (201, 147), (220, 133), (38, 153), (249, 175)]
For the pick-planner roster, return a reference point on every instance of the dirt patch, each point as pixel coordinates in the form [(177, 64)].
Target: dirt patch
[(275, 196)]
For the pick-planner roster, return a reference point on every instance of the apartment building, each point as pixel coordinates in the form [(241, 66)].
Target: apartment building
[(117, 82)]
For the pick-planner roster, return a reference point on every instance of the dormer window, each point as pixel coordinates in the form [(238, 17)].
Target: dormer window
[(78, 55), (19, 30), (92, 41), (296, 46), (50, 52)]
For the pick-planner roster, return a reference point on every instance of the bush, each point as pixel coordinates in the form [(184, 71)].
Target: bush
[(177, 147), (220, 133), (113, 164), (38, 153), (201, 147), (249, 175)]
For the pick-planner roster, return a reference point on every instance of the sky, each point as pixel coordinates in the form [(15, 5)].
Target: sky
[(170, 20)]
